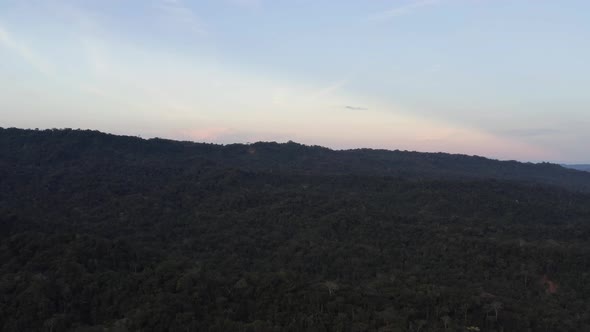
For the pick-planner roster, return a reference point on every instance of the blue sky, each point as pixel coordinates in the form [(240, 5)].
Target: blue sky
[(504, 79)]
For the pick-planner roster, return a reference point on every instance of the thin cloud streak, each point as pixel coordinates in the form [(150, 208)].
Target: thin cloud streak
[(24, 52), (248, 3), (330, 89), (530, 132), (402, 10), (176, 11)]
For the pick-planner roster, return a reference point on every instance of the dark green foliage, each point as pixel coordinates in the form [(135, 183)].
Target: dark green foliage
[(104, 232)]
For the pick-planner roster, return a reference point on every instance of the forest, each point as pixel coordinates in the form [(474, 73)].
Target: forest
[(100, 232)]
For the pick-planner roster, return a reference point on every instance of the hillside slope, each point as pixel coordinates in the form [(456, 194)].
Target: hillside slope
[(101, 232), (62, 146), (581, 167)]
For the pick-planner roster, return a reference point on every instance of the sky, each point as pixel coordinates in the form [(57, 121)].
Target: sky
[(506, 79)]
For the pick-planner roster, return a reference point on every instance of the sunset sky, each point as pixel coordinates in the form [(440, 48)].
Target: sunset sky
[(506, 79)]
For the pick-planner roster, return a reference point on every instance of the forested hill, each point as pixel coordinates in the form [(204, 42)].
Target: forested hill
[(580, 167), (30, 147), (108, 233)]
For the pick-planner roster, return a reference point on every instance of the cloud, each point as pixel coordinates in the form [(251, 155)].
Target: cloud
[(330, 88), (97, 55), (177, 12), (247, 3), (24, 52), (530, 132), (402, 10), (356, 108)]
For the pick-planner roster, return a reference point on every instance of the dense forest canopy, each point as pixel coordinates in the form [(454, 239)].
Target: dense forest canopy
[(102, 232), (26, 146)]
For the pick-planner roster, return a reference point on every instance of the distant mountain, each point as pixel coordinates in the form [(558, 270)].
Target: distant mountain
[(579, 167), (67, 146)]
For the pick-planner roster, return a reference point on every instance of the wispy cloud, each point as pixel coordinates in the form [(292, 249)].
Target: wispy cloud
[(530, 132), (8, 41), (177, 12), (97, 55), (247, 3), (402, 10), (330, 88)]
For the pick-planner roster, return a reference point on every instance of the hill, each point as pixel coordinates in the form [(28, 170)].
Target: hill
[(102, 232), (580, 167), (63, 146)]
